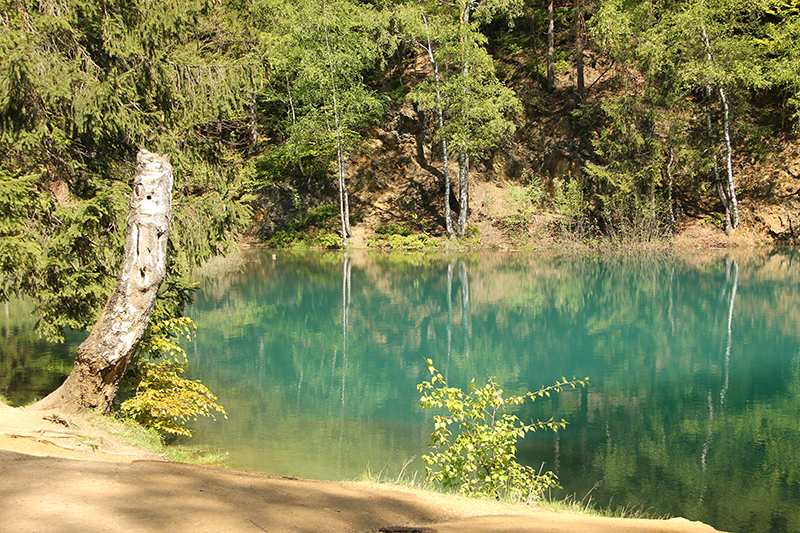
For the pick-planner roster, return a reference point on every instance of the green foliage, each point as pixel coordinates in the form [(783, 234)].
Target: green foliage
[(82, 88), (680, 58), (315, 53), (477, 105), (527, 198), (394, 229), (571, 200), (163, 400), (396, 236), (475, 444), (19, 244), (317, 229), (393, 241)]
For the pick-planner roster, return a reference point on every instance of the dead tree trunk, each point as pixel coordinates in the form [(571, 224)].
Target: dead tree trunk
[(104, 356)]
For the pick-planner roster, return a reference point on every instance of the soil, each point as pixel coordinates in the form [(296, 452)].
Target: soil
[(62, 474), (389, 189)]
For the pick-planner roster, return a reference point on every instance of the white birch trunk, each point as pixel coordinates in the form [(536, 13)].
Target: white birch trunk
[(726, 191), (344, 204), (440, 112), (104, 356)]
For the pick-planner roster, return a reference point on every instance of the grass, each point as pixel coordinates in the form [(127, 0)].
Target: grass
[(149, 439), (219, 266), (401, 479), (585, 505)]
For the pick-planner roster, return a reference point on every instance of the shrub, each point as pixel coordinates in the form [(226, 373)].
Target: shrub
[(163, 400), (396, 236), (317, 229), (393, 229), (480, 457)]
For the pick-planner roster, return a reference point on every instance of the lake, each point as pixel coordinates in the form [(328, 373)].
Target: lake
[(694, 361)]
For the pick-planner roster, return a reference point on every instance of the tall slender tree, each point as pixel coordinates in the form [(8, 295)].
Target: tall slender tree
[(474, 104), (420, 28), (321, 53)]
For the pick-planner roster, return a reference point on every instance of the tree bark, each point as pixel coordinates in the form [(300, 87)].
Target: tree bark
[(104, 356), (668, 171), (734, 204), (463, 182)]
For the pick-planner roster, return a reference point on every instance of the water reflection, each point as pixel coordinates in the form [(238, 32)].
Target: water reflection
[(729, 290), (694, 364)]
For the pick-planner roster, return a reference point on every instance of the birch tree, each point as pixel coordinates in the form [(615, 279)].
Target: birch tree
[(320, 52), (474, 105), (726, 189), (103, 357)]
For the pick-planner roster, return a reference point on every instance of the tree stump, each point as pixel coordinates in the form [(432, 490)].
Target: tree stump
[(104, 356)]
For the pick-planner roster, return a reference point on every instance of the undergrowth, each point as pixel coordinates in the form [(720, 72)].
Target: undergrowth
[(150, 439), (586, 505), (319, 228), (399, 237)]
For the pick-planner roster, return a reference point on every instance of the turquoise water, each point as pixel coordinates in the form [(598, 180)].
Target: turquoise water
[(694, 362), (694, 404), (30, 367)]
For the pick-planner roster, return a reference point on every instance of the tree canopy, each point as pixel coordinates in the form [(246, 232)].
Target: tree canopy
[(278, 93)]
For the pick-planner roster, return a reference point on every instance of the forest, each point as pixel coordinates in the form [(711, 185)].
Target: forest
[(290, 120)]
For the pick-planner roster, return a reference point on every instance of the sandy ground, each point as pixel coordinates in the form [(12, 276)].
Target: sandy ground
[(64, 475)]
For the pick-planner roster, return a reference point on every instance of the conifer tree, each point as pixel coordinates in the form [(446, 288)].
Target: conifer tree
[(83, 86)]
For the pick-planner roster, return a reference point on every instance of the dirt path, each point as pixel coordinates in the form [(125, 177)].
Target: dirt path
[(60, 479)]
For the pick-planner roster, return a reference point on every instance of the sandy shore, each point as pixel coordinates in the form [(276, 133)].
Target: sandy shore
[(55, 478)]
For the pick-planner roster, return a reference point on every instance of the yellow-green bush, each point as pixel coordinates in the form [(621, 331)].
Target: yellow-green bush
[(163, 399), (475, 443)]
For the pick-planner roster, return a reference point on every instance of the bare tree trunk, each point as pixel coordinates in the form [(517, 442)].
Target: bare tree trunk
[(734, 204), (253, 127), (104, 356), (551, 48), (463, 182), (668, 171), (440, 112), (344, 204), (721, 190)]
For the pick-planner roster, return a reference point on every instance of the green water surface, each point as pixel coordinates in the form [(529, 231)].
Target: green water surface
[(694, 362), (694, 404)]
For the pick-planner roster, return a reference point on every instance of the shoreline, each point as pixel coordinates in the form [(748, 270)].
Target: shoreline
[(96, 482)]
